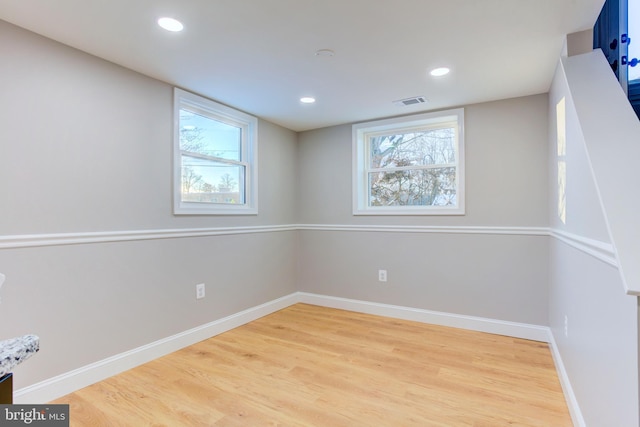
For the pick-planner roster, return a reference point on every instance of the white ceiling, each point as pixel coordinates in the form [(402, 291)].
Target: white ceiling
[(259, 55)]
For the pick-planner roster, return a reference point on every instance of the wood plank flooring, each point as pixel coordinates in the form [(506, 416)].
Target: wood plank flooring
[(314, 366)]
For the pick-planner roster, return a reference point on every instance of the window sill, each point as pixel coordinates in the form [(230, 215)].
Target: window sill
[(208, 210), (405, 211)]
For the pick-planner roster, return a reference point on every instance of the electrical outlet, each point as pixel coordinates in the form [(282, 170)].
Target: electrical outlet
[(200, 291), (566, 326), (382, 275)]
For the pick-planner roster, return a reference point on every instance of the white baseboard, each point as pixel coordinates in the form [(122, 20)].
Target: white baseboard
[(567, 389), (68, 382), (500, 327)]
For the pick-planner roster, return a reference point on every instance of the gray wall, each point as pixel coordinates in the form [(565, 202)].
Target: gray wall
[(493, 276), (86, 146), (483, 274), (506, 170), (600, 350), (90, 143)]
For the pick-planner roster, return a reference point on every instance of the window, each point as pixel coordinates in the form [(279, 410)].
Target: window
[(409, 165), (215, 168)]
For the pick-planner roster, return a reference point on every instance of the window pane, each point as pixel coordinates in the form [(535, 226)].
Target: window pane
[(428, 187), (212, 182), (429, 147), (204, 135)]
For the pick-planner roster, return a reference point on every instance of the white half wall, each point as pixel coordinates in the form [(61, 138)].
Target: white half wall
[(593, 321), (611, 133)]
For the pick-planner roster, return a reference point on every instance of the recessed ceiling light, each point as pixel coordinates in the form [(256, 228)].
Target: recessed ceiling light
[(437, 72), (170, 24), (307, 100)]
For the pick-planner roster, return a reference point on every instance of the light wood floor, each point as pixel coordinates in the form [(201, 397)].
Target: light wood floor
[(313, 366)]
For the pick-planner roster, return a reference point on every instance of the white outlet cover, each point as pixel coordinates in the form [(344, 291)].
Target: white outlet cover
[(200, 291)]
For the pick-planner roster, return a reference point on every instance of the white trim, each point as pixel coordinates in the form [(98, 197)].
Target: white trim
[(520, 231), (68, 382), (567, 389), (59, 239), (599, 250), (33, 240), (481, 324), (605, 252)]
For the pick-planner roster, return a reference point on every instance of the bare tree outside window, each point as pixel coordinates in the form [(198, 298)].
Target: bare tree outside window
[(191, 139), (410, 165), (227, 183), (191, 181), (215, 158), (417, 168), (205, 161)]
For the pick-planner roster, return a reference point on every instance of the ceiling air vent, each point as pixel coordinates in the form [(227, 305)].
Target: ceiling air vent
[(411, 101)]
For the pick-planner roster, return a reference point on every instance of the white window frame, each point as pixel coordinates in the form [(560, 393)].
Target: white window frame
[(249, 155), (361, 168)]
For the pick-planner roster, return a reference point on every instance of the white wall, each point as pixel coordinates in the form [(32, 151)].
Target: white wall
[(600, 351), (85, 147), (610, 128), (495, 268)]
